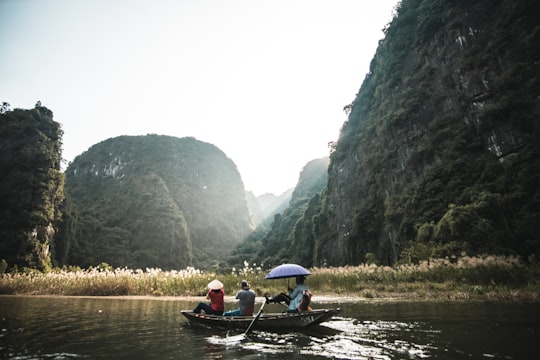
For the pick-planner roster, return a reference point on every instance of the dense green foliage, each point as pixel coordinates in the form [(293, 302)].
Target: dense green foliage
[(153, 201), (441, 151), (31, 186)]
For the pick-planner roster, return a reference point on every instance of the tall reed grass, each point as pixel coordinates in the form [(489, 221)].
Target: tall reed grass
[(490, 277)]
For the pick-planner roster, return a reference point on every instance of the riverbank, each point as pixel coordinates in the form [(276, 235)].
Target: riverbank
[(488, 278), (520, 296)]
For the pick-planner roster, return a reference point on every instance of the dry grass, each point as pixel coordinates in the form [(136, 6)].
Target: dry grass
[(465, 278)]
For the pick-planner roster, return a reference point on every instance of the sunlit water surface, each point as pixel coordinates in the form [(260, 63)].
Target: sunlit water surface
[(115, 328)]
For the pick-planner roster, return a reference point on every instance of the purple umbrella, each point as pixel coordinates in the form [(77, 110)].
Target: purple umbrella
[(287, 271)]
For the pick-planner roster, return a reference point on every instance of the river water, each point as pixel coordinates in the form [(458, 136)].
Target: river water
[(120, 328)]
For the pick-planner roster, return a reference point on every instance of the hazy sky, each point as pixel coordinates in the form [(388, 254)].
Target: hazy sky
[(263, 80)]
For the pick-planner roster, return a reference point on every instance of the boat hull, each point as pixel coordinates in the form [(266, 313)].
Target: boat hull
[(267, 321)]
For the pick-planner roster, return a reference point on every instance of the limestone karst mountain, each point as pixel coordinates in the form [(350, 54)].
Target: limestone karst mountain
[(155, 201), (441, 151)]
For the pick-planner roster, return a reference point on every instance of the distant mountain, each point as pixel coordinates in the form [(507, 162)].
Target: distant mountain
[(154, 201), (287, 237), (265, 206)]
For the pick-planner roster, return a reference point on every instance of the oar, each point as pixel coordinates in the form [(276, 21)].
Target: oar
[(250, 327)]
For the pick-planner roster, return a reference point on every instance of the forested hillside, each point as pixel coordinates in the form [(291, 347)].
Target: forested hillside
[(31, 186), (153, 201), (440, 154), (441, 151)]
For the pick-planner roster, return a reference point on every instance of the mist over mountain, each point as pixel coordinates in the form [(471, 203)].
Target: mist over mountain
[(265, 206), (287, 237), (155, 201)]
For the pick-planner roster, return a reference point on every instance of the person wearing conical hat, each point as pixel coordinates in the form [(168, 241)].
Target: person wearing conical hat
[(216, 296)]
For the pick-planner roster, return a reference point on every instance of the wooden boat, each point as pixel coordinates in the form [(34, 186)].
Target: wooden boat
[(267, 321)]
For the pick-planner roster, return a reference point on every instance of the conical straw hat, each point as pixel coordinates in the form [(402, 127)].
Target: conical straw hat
[(215, 285)]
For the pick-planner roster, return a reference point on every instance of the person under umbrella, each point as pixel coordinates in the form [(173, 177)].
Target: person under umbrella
[(215, 295), (298, 298)]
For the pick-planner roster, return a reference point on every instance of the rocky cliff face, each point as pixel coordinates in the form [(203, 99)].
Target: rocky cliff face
[(31, 186), (155, 201), (440, 137)]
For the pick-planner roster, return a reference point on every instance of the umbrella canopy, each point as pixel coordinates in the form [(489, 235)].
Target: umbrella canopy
[(215, 285), (287, 271)]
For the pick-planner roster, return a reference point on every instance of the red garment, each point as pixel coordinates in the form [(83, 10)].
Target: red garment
[(216, 299)]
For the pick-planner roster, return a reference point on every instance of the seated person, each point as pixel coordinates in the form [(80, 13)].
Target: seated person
[(298, 298), (246, 301), (217, 304)]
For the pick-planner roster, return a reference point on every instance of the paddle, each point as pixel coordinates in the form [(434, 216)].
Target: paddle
[(250, 327)]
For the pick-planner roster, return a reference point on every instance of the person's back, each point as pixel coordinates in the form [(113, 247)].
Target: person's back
[(216, 297), (246, 298), (217, 300)]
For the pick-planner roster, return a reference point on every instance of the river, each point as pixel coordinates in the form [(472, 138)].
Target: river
[(152, 328)]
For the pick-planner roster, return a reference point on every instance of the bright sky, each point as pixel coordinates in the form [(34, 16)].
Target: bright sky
[(263, 80)]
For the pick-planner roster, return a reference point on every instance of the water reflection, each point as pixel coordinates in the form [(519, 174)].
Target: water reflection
[(341, 338), (97, 328)]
